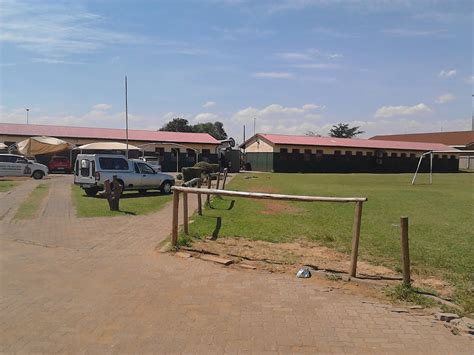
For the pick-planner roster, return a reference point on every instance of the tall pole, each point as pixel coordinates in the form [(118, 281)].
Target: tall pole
[(126, 113), (27, 116)]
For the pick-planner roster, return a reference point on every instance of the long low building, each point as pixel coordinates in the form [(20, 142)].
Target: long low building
[(289, 153), (174, 149)]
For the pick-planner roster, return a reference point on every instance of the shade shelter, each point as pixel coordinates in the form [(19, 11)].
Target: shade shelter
[(33, 146)]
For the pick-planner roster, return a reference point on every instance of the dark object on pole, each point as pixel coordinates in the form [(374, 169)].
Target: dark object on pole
[(113, 192), (405, 250)]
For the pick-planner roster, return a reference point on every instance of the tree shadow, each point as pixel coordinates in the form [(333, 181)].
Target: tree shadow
[(217, 228)]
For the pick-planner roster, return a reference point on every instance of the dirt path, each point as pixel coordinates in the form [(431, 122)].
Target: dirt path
[(97, 285)]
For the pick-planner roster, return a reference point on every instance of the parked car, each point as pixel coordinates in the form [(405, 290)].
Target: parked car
[(58, 163), (17, 165), (153, 161), (91, 171)]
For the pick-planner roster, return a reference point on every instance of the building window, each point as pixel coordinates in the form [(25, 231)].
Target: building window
[(384, 154), (205, 154), (369, 154), (283, 154), (307, 154), (453, 157), (412, 155), (295, 151), (403, 155), (190, 155), (319, 155), (348, 152), (337, 152), (393, 155), (174, 154), (359, 153), (436, 156), (445, 156), (161, 153)]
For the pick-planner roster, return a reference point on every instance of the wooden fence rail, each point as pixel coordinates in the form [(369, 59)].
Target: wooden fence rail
[(177, 190)]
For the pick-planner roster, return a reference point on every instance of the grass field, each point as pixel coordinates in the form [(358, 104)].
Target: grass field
[(441, 220), (30, 207), (131, 203), (7, 185)]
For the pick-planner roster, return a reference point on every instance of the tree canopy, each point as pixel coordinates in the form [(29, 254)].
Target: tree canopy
[(342, 130), (215, 129)]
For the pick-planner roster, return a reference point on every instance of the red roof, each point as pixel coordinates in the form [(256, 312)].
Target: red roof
[(352, 143), (458, 138), (104, 133)]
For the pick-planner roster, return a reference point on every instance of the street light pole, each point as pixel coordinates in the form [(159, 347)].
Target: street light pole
[(27, 115)]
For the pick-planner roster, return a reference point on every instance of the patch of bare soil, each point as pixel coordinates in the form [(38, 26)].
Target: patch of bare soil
[(273, 207), (289, 257)]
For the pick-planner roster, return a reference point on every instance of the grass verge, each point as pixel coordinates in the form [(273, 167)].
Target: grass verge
[(131, 203), (7, 185), (441, 227), (30, 207)]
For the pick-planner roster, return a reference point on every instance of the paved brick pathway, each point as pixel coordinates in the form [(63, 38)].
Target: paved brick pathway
[(97, 285)]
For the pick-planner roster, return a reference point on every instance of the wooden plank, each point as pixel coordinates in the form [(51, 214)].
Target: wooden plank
[(174, 235), (260, 195), (405, 250), (356, 237), (185, 213), (224, 179), (208, 197), (218, 180)]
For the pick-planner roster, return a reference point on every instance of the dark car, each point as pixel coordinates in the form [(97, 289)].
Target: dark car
[(59, 164)]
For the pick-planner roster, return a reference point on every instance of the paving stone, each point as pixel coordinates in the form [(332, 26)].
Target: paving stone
[(216, 259), (106, 290), (446, 317)]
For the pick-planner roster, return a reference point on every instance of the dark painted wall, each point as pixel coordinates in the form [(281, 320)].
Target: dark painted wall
[(260, 161), (295, 163), (168, 164)]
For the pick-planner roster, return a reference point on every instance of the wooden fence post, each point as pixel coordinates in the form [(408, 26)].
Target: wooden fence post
[(208, 197), (355, 238), (224, 179), (174, 236), (218, 180), (405, 250), (199, 199), (185, 213)]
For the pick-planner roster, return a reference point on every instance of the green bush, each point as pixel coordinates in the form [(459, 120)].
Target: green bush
[(191, 173), (207, 168)]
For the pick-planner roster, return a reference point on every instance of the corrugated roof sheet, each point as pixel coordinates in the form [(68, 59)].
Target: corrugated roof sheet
[(105, 133), (458, 138), (351, 143)]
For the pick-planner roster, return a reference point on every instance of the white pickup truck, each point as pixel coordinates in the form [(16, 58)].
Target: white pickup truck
[(91, 171), (17, 165)]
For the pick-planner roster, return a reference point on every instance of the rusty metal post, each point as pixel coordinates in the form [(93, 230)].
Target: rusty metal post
[(405, 251)]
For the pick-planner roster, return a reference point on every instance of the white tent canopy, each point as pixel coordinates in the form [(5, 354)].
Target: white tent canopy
[(107, 146), (42, 145), (3, 146)]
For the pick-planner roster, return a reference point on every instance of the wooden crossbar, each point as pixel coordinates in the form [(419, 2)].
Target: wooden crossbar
[(177, 190)]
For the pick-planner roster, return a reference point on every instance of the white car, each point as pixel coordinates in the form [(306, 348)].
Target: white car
[(153, 161), (17, 165), (91, 171)]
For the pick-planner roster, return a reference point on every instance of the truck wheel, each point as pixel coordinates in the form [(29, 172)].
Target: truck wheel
[(91, 191), (37, 175), (166, 187)]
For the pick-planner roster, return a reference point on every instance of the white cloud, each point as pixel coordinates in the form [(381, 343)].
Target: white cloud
[(317, 66), (447, 73), (209, 104), (55, 30), (102, 107), (442, 99), (273, 75), (470, 80), (205, 117), (308, 54), (389, 111)]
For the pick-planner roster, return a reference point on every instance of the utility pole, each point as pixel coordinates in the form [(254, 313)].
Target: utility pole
[(27, 116), (126, 113)]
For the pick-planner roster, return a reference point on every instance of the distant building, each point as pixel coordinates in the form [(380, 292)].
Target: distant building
[(288, 153), (172, 148), (463, 140)]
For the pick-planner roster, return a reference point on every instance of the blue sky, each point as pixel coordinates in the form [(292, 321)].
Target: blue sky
[(301, 65)]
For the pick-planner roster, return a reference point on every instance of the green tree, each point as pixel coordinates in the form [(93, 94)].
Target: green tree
[(342, 130), (177, 125)]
